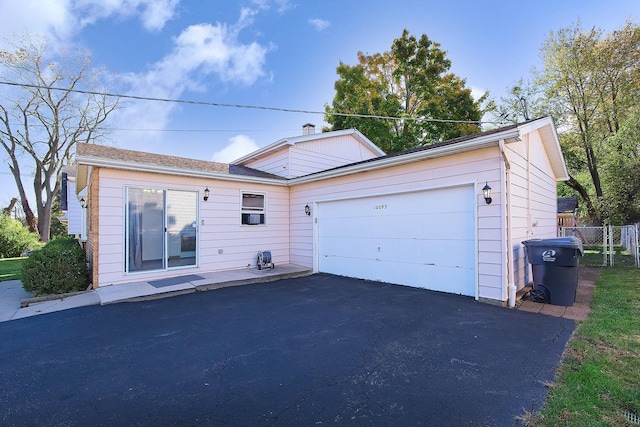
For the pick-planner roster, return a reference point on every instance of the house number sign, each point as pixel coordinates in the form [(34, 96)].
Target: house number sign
[(376, 207)]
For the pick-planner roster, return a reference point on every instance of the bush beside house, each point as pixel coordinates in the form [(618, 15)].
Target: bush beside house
[(59, 267), (15, 239)]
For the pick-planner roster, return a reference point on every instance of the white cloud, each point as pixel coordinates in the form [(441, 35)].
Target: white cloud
[(158, 12), (281, 5), (477, 93), (53, 19), (319, 24), (59, 20), (239, 146), (153, 13), (199, 52)]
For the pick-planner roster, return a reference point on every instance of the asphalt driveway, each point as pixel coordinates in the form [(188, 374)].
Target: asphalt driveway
[(315, 350)]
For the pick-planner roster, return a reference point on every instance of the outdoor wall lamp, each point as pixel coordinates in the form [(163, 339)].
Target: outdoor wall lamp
[(83, 203), (486, 190), (307, 210), (206, 194)]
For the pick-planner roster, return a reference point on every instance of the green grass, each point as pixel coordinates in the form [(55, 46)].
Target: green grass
[(11, 269), (593, 257), (600, 373)]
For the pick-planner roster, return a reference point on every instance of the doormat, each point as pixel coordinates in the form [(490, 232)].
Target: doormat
[(170, 281)]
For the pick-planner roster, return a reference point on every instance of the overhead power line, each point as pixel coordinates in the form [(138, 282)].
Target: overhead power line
[(218, 104)]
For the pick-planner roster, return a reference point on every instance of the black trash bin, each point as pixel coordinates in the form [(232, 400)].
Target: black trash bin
[(554, 263)]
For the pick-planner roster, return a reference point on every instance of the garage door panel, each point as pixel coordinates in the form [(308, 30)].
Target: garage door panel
[(426, 251), (453, 253), (453, 225), (354, 247), (439, 278), (424, 239)]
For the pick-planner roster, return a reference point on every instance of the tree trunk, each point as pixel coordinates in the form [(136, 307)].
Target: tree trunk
[(30, 218), (32, 222), (44, 224), (9, 208), (591, 210)]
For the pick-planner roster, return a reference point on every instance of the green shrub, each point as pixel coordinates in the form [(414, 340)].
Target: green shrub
[(15, 238), (59, 267)]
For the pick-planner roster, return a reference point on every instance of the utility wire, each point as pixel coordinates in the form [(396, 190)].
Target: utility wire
[(217, 104)]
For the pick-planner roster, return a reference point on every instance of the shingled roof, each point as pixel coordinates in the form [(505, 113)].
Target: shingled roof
[(139, 157), (567, 204)]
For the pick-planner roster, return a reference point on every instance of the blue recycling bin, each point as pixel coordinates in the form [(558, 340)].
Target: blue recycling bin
[(554, 263)]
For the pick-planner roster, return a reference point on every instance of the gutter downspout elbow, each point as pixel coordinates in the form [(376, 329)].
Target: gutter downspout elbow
[(511, 287)]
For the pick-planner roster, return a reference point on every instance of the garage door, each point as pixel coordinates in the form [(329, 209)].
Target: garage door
[(424, 239)]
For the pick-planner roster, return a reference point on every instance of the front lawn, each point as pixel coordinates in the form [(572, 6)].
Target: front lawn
[(598, 382), (11, 269)]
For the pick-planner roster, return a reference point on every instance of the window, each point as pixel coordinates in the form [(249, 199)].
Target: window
[(253, 212)]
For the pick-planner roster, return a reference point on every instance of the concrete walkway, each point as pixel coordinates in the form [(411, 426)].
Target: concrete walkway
[(16, 303)]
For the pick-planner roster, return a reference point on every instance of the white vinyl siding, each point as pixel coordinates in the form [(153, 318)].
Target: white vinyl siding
[(533, 199), (224, 243), (306, 157), (276, 163), (76, 214), (318, 155)]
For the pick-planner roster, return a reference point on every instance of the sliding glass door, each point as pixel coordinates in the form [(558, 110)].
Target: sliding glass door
[(182, 217), (161, 229)]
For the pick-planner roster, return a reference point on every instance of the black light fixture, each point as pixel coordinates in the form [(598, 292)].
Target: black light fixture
[(206, 194), (83, 203), (486, 190), (307, 210)]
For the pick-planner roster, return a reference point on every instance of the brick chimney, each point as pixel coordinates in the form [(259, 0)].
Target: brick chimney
[(308, 129)]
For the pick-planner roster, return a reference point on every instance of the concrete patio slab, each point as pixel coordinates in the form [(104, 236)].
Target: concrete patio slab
[(115, 293), (13, 295)]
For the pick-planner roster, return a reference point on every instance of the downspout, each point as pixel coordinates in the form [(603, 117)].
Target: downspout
[(530, 223), (511, 287)]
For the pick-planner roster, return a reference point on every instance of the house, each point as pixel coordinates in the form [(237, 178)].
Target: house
[(567, 212), (332, 202), (71, 205)]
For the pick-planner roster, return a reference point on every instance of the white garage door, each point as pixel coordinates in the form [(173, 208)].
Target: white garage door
[(424, 239)]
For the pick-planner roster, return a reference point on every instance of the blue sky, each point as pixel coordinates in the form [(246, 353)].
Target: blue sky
[(277, 53)]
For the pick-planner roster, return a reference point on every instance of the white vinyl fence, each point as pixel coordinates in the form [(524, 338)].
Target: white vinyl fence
[(608, 245)]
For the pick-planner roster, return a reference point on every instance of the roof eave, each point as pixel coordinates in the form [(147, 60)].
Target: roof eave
[(551, 144), (268, 149), (84, 161), (473, 144)]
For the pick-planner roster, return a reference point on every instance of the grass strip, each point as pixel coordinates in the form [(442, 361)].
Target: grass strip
[(11, 269), (598, 381)]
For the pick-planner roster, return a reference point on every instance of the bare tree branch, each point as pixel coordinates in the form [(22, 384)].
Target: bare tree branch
[(48, 121)]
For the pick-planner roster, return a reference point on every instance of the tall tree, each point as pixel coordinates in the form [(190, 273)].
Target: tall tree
[(412, 82), (594, 77), (590, 85), (40, 124), (621, 173), (525, 100)]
